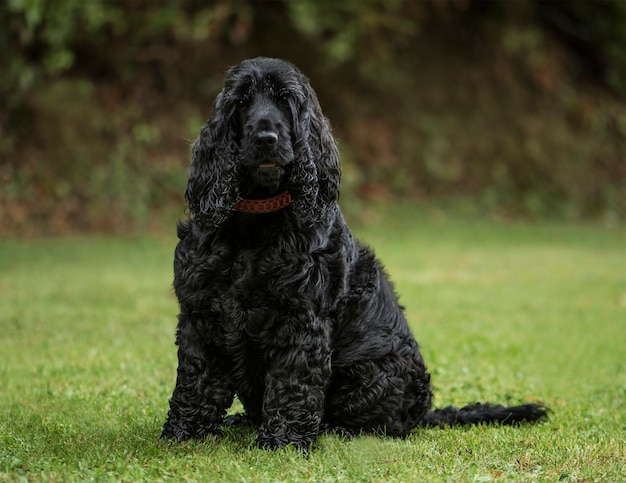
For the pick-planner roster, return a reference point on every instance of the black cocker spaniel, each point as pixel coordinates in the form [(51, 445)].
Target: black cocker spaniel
[(279, 304)]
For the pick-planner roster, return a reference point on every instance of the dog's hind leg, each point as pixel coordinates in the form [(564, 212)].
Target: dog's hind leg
[(252, 400), (388, 395)]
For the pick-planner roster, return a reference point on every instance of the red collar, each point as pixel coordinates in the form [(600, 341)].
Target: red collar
[(264, 205)]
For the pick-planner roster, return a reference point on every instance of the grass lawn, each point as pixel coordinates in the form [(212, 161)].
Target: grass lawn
[(503, 312)]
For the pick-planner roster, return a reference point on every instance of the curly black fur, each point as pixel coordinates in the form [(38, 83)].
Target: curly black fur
[(287, 310)]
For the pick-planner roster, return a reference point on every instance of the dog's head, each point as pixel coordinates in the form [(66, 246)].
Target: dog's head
[(266, 133)]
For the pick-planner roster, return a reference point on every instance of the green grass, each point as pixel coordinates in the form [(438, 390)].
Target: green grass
[(503, 312)]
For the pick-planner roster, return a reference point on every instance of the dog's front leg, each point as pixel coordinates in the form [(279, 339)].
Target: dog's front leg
[(202, 393), (293, 402)]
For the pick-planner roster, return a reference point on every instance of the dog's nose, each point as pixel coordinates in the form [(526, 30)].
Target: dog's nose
[(266, 138)]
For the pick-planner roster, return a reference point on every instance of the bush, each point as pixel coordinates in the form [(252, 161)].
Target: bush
[(513, 107)]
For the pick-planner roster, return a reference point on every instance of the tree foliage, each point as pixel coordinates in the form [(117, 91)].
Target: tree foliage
[(510, 104)]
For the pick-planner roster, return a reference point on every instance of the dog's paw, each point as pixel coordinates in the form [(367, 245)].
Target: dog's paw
[(302, 444), (238, 420), (180, 432)]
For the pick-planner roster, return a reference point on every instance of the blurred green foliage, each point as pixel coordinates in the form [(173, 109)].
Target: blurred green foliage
[(38, 38), (509, 107)]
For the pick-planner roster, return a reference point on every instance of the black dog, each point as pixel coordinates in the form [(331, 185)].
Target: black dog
[(279, 304)]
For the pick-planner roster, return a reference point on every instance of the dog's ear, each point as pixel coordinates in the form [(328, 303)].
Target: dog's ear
[(317, 167), (212, 188)]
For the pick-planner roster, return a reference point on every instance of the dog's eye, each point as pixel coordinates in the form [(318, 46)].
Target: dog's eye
[(243, 102), (283, 97)]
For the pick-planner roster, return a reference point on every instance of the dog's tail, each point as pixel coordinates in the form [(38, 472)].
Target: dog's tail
[(485, 413)]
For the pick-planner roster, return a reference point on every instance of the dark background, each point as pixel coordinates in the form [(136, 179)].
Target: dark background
[(515, 109)]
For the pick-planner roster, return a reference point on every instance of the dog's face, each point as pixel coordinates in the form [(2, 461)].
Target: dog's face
[(266, 134), (264, 103)]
